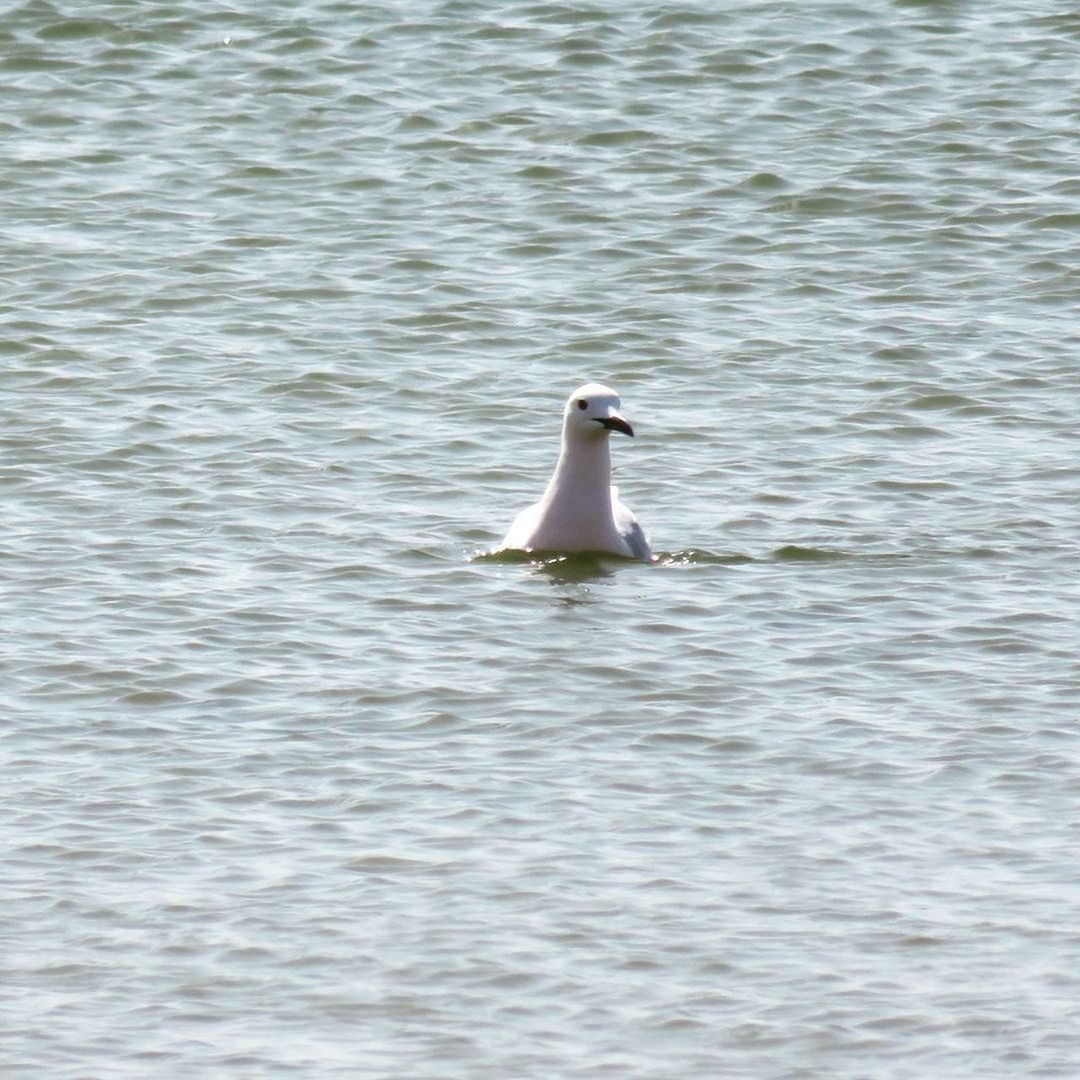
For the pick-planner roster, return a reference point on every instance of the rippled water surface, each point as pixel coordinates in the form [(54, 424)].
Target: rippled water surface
[(293, 293)]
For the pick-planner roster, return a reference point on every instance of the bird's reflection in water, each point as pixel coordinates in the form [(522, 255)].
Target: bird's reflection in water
[(573, 573), (579, 569)]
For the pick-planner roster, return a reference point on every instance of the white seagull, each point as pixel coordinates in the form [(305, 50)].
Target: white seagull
[(580, 510)]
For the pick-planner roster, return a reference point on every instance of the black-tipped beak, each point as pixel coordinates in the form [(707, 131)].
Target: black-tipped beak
[(616, 423)]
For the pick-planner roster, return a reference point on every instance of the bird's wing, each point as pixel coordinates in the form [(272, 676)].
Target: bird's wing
[(629, 529)]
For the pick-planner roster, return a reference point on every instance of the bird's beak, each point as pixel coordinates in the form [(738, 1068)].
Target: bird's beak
[(615, 422)]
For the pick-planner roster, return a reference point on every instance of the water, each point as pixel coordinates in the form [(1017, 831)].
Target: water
[(295, 786)]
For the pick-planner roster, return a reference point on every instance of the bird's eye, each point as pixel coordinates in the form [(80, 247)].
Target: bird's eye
[(582, 403)]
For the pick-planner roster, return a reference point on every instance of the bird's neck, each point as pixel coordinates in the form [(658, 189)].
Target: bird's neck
[(584, 467)]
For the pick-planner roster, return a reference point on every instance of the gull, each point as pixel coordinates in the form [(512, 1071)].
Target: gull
[(580, 510)]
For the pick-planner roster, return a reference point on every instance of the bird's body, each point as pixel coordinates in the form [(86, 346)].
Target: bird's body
[(580, 510)]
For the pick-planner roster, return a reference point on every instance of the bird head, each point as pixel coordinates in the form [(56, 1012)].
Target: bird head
[(592, 412)]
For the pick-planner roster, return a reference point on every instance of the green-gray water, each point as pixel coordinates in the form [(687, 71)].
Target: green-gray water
[(293, 293)]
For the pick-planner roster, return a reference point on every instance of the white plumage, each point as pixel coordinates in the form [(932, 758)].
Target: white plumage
[(580, 510)]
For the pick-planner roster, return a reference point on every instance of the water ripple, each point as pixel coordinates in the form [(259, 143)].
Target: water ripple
[(304, 782)]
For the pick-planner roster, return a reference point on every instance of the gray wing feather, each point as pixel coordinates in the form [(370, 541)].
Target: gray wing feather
[(639, 543), (630, 529)]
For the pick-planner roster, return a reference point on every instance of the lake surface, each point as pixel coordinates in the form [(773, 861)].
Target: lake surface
[(293, 294)]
